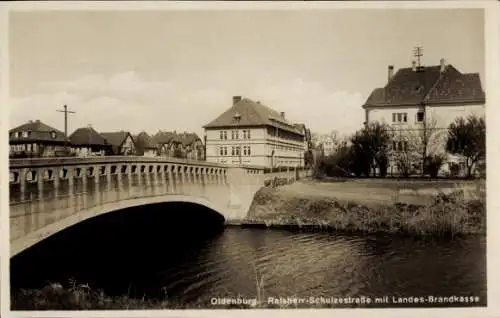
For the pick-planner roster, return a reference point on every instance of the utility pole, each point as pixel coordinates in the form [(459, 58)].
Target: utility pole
[(417, 53), (66, 112)]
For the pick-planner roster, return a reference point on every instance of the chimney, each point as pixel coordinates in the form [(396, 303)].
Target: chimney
[(390, 72), (236, 99), (443, 64), (282, 114), (414, 65)]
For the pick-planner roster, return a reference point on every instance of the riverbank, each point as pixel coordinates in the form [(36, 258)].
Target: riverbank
[(408, 208)]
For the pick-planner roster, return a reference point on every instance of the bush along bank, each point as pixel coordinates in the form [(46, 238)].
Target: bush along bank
[(447, 215)]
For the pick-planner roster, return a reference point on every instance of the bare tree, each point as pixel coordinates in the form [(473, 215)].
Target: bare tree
[(419, 148)]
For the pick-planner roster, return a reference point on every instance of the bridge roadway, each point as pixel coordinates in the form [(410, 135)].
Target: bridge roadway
[(48, 195)]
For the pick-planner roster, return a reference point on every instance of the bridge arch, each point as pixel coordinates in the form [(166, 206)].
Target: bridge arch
[(31, 239)]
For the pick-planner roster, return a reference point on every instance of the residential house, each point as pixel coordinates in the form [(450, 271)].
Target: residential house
[(122, 143), (179, 145), (253, 134), (425, 99), (144, 145), (36, 139), (86, 141)]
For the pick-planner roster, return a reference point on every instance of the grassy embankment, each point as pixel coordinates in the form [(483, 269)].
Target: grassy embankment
[(371, 206)]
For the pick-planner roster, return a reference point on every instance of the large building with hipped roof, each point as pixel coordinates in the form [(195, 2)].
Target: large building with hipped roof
[(425, 98), (251, 133)]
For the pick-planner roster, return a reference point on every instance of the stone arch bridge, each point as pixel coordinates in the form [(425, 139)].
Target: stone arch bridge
[(48, 195)]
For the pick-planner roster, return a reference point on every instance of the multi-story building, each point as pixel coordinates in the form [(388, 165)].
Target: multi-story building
[(425, 100), (253, 134)]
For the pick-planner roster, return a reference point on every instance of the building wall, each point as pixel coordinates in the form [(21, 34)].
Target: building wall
[(128, 147), (260, 148), (150, 152), (436, 117)]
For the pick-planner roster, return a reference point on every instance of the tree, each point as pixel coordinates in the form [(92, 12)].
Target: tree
[(370, 147), (467, 138)]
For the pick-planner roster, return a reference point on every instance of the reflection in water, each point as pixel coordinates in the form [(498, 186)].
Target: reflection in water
[(169, 249)]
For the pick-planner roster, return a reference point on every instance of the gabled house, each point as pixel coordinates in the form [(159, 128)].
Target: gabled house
[(36, 139), (424, 99), (144, 145), (86, 141), (122, 143), (179, 145)]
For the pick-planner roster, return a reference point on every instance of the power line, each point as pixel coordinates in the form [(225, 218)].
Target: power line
[(66, 112)]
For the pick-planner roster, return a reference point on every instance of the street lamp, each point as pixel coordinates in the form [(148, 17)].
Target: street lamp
[(205, 145)]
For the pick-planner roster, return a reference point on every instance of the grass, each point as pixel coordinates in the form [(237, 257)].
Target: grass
[(460, 211)]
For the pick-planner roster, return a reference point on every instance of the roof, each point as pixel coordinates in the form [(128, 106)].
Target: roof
[(167, 137), (144, 140), (428, 85), (115, 138), (87, 136), (252, 113), (163, 137), (39, 132)]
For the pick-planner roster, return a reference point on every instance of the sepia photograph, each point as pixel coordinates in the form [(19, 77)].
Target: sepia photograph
[(247, 159)]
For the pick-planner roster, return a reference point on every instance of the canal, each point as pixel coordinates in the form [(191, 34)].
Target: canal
[(182, 252)]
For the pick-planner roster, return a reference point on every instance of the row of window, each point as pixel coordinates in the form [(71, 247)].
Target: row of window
[(235, 134), (288, 148), (235, 151), (400, 145), (27, 134), (403, 117)]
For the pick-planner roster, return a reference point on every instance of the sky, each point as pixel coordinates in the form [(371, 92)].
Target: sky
[(178, 70)]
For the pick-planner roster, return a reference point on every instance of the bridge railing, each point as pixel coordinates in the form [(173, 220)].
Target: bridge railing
[(61, 161)]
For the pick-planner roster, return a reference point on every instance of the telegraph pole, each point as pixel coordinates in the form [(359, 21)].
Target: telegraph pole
[(66, 112), (418, 52)]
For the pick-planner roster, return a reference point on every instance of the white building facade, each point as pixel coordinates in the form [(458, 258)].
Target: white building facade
[(250, 133), (420, 100)]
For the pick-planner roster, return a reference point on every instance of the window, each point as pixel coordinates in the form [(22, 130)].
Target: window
[(221, 151), (400, 145), (225, 135), (237, 134), (225, 151), (248, 136), (233, 151), (248, 151), (399, 117), (420, 117), (53, 134), (238, 151), (25, 134), (221, 134), (244, 149)]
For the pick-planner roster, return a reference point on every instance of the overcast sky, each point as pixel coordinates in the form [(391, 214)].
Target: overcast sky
[(178, 70)]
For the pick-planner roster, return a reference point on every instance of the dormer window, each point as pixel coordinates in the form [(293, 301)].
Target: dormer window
[(25, 134), (53, 134), (236, 117)]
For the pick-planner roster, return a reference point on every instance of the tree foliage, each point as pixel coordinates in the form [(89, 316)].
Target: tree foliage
[(467, 138), (370, 147)]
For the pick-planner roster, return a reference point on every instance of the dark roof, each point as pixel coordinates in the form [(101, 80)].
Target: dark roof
[(167, 137), (163, 137), (39, 132), (428, 85), (144, 140), (188, 138), (87, 136), (115, 138), (251, 113)]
